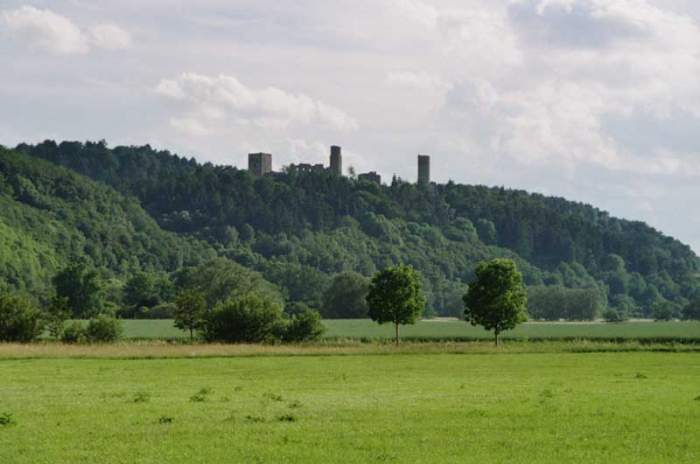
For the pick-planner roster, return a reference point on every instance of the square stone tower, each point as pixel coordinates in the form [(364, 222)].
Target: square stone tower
[(336, 161), (423, 169), (259, 164)]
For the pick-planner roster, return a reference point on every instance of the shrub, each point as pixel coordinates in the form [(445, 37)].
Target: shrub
[(20, 321), (246, 319), (612, 315), (74, 333), (103, 329), (662, 312), (57, 314), (303, 327)]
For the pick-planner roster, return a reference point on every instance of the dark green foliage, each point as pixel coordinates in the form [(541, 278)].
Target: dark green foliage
[(74, 333), (552, 303), (305, 326), (190, 310), (298, 229), (20, 321), (6, 419), (614, 315), (395, 296), (662, 312), (81, 288), (57, 313), (50, 216), (145, 290), (220, 279), (691, 312), (346, 297), (496, 298), (249, 318), (103, 329)]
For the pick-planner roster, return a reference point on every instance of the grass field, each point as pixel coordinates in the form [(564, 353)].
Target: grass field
[(366, 329), (516, 408)]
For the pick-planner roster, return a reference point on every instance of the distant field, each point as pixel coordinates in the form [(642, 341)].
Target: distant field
[(366, 329), (490, 408)]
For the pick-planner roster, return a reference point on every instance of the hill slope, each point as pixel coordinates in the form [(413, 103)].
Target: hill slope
[(49, 215), (298, 228)]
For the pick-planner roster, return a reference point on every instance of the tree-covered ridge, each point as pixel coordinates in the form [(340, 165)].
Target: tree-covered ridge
[(50, 215), (299, 228)]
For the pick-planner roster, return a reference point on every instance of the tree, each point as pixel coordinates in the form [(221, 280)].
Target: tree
[(189, 313), (304, 326), (57, 314), (140, 291), (395, 296), (662, 311), (250, 318), (346, 297), (20, 321), (81, 287), (496, 298)]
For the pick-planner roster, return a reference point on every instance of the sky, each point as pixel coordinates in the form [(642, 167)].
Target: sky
[(597, 101)]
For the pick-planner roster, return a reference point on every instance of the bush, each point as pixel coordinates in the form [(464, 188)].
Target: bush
[(103, 329), (74, 333), (303, 327), (612, 315), (20, 321), (246, 319), (662, 312)]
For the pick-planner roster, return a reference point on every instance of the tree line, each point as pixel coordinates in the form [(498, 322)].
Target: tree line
[(221, 301)]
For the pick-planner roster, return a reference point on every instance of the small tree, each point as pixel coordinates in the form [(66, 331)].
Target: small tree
[(305, 326), (395, 296), (20, 321), (189, 313), (57, 314), (250, 318), (497, 298)]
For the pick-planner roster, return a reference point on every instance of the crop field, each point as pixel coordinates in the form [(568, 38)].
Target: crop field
[(520, 408), (454, 329)]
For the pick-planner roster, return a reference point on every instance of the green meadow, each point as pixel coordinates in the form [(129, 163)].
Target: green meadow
[(454, 329), (641, 407)]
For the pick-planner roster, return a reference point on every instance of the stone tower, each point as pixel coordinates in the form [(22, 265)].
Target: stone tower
[(423, 169), (336, 161), (259, 164)]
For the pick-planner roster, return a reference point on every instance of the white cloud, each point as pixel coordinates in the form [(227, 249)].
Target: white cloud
[(110, 37), (55, 33), (45, 30), (208, 98), (423, 81)]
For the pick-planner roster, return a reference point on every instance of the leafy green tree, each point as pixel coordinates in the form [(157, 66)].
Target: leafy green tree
[(57, 313), (662, 311), (614, 315), (346, 297), (496, 298), (103, 329), (395, 296), (190, 311), (305, 326), (140, 291), (81, 287), (250, 318), (20, 321)]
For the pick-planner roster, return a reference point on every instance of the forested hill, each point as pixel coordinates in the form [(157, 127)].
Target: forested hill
[(50, 215), (312, 225)]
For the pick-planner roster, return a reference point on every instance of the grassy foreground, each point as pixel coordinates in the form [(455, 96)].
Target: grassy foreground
[(521, 408), (454, 329)]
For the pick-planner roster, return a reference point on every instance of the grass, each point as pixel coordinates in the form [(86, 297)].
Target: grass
[(454, 329), (636, 407)]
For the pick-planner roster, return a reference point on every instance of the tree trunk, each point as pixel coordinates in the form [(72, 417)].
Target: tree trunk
[(191, 335), (495, 333), (397, 333)]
